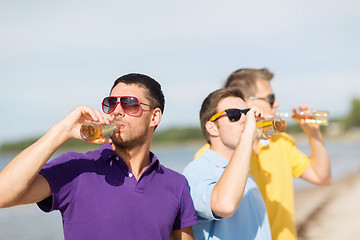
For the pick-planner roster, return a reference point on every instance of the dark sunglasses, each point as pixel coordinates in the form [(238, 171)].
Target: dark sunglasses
[(233, 114), (129, 104), (269, 98)]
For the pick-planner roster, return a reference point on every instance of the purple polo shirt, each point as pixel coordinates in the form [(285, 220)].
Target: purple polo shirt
[(99, 198)]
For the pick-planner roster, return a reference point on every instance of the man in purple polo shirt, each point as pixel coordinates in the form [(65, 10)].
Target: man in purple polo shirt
[(119, 191)]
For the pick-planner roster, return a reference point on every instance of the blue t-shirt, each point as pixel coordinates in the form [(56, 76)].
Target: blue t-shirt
[(250, 221), (99, 198)]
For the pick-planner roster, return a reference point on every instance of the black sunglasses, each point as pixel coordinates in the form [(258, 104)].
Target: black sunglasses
[(129, 104), (233, 114), (269, 98)]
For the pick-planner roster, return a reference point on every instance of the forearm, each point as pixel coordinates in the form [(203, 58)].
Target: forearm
[(320, 162), (18, 175), (228, 192)]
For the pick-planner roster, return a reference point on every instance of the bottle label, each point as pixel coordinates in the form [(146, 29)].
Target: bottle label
[(272, 125)]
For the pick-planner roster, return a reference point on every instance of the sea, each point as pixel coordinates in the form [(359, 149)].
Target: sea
[(28, 222)]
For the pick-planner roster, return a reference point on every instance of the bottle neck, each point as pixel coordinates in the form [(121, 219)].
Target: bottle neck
[(283, 115)]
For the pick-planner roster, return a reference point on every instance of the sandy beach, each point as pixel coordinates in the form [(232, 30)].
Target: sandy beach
[(329, 212)]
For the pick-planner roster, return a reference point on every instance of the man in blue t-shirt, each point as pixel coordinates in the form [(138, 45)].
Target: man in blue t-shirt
[(227, 199), (119, 191)]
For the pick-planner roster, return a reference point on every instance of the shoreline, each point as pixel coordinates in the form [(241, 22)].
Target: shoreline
[(329, 212), (300, 138)]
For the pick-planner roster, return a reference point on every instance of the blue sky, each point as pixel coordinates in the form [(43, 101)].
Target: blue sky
[(55, 55)]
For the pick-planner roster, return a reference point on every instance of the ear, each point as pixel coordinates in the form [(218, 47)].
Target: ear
[(155, 117), (212, 128)]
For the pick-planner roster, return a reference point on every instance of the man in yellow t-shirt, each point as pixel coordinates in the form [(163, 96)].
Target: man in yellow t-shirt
[(275, 161)]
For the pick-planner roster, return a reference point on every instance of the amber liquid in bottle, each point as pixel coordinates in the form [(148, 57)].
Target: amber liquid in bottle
[(90, 131), (272, 125), (310, 116)]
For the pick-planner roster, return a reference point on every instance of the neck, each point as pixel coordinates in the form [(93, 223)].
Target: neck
[(136, 158), (223, 150)]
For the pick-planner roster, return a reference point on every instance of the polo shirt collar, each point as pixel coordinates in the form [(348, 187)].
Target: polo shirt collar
[(264, 142), (155, 163), (216, 159), (108, 154)]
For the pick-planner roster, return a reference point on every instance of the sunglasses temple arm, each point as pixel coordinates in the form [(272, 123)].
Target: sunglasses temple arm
[(216, 116)]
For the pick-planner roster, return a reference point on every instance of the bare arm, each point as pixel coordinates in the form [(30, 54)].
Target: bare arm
[(228, 191), (182, 234), (20, 181), (319, 171)]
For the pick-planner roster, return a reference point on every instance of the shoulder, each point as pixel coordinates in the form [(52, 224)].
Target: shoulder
[(196, 164), (201, 150), (171, 176), (203, 167), (63, 158), (74, 159)]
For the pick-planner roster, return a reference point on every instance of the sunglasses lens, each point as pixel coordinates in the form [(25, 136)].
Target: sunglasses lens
[(130, 105), (272, 99), (109, 104), (233, 114)]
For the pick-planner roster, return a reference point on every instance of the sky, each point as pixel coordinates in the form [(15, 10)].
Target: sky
[(55, 55)]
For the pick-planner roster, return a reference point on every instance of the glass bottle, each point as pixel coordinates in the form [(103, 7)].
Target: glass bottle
[(310, 116), (272, 125), (90, 131)]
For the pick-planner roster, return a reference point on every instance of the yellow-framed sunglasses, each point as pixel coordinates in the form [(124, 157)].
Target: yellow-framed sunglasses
[(233, 114)]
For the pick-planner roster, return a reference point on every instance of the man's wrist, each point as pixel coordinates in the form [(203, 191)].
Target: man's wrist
[(59, 134)]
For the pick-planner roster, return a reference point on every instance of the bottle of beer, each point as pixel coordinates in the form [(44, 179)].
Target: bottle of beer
[(272, 125), (90, 131), (310, 116)]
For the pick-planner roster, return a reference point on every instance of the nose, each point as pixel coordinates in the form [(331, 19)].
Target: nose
[(276, 104), (242, 118), (119, 111)]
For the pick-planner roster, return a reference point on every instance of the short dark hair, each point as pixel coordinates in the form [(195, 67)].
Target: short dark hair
[(210, 104), (245, 79), (156, 96)]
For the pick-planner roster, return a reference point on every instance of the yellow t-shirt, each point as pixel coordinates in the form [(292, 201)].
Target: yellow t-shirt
[(273, 169)]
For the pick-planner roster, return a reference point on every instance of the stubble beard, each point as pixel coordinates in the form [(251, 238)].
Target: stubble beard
[(131, 142)]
